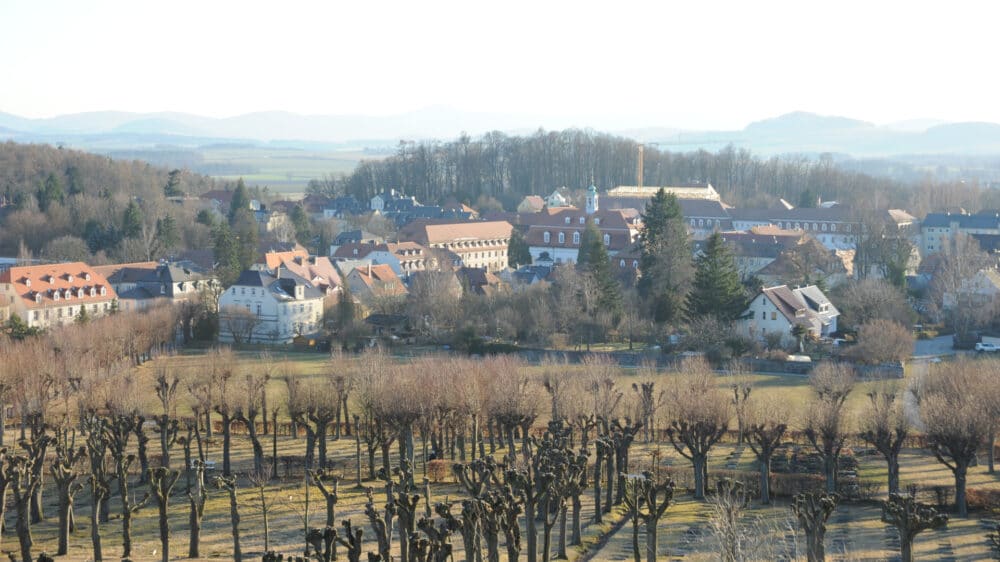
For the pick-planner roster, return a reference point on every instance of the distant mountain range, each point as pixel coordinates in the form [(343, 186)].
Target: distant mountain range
[(798, 132)]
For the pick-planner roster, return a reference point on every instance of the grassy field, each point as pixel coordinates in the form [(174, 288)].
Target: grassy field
[(855, 530), (284, 171)]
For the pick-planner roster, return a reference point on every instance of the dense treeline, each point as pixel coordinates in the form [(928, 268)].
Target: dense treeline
[(67, 205), (509, 167)]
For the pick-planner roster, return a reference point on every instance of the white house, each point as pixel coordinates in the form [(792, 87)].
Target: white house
[(263, 307), (779, 309), (557, 199)]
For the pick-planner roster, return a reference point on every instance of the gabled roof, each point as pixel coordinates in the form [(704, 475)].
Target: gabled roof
[(802, 305), (978, 221), (40, 285), (282, 286), (433, 232), (787, 302), (380, 278), (128, 272)]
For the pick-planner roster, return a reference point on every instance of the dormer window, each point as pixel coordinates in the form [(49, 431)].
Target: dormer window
[(38, 297), (69, 277), (86, 276), (79, 293), (582, 220), (27, 282), (55, 295), (67, 294), (104, 291), (93, 293), (567, 220)]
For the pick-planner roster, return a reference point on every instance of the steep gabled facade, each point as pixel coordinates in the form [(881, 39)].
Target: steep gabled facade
[(263, 307)]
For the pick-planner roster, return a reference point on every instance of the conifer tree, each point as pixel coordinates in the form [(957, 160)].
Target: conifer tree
[(593, 260), (518, 253), (717, 290), (239, 202), (666, 269)]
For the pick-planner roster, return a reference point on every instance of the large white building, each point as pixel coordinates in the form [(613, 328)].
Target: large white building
[(554, 235), (262, 307)]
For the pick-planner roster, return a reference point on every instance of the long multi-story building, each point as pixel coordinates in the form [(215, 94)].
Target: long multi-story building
[(476, 243), (938, 229), (55, 294)]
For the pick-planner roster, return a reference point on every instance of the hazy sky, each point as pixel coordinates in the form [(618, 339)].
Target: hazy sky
[(694, 64)]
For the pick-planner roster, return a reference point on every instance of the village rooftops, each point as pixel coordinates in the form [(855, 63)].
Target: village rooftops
[(39, 286)]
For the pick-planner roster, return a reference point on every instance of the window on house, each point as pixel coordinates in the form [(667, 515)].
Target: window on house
[(763, 315), (635, 264), (243, 290), (833, 228), (597, 221), (701, 222), (774, 316), (622, 264), (546, 237), (607, 239), (824, 227), (576, 237), (567, 220), (562, 237), (847, 228), (693, 223), (258, 310)]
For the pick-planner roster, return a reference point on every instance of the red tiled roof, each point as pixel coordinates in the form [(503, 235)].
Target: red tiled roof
[(39, 285), (428, 232)]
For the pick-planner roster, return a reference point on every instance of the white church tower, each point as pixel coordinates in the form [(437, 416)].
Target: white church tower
[(591, 200)]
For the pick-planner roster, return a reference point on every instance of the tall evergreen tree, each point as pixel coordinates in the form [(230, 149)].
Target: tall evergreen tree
[(300, 220), (594, 261), (227, 254), (173, 187), (132, 220), (665, 264), (518, 253), (239, 202), (717, 289)]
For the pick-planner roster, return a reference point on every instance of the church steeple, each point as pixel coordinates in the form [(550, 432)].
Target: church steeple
[(592, 205)]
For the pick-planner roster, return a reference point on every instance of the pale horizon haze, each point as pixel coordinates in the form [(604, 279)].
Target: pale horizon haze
[(696, 65)]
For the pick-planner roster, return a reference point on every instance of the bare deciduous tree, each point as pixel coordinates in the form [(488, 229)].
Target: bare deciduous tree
[(699, 415), (954, 418), (824, 419), (885, 426)]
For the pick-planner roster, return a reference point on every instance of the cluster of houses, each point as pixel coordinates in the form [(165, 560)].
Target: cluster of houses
[(787, 250)]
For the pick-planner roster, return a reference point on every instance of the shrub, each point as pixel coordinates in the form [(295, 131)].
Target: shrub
[(979, 498), (438, 470)]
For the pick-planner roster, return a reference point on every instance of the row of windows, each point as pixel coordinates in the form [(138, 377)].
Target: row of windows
[(816, 227), (69, 311), (547, 238), (583, 220)]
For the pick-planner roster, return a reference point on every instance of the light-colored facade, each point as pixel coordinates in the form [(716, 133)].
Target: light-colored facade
[(265, 308), (55, 294), (777, 310), (938, 229), (690, 191), (476, 243)]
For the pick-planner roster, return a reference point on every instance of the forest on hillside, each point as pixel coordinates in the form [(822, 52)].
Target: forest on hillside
[(507, 168), (63, 204)]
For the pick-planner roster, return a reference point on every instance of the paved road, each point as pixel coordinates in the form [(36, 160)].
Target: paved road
[(938, 346)]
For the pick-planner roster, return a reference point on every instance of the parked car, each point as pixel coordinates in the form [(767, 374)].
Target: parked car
[(987, 347)]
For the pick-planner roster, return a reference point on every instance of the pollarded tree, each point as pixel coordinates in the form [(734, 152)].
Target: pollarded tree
[(98, 445), (824, 418), (197, 496), (227, 400), (21, 473), (161, 482), (328, 484), (117, 433), (812, 511), (910, 519), (765, 424), (954, 418), (647, 499), (66, 469), (699, 416), (717, 290), (885, 426), (167, 426), (248, 408), (228, 483)]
